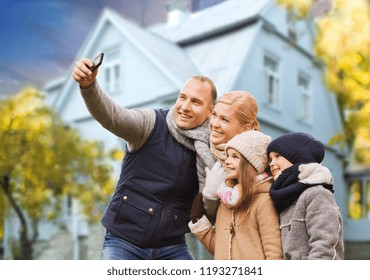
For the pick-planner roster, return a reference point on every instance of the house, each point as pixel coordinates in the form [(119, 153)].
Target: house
[(240, 44)]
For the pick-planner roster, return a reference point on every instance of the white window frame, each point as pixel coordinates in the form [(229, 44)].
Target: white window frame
[(112, 69), (272, 81), (305, 98), (292, 27)]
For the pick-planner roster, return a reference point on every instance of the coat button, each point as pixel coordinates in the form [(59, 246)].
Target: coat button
[(124, 198), (150, 210)]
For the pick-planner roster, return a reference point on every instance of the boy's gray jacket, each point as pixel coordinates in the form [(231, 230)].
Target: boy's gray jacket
[(312, 228), (152, 201)]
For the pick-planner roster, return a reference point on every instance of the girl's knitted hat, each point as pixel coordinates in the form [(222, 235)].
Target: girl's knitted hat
[(252, 145), (298, 147)]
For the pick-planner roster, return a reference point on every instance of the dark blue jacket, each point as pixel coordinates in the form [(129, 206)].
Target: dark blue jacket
[(152, 202)]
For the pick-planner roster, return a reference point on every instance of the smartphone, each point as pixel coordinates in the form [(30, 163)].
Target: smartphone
[(97, 62)]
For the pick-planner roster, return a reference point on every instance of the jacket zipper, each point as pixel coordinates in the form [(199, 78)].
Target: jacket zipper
[(165, 204)]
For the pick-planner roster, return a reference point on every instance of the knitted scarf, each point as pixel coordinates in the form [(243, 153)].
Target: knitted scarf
[(196, 139), (286, 189), (231, 197), (219, 152)]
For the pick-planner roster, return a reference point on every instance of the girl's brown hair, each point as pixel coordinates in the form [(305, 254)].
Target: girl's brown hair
[(247, 180)]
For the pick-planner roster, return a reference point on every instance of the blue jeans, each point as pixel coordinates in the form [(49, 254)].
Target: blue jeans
[(115, 248)]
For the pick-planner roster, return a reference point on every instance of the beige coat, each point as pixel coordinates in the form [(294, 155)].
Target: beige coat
[(256, 237)]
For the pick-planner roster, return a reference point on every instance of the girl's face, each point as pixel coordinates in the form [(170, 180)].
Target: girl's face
[(224, 124), (232, 164), (277, 164)]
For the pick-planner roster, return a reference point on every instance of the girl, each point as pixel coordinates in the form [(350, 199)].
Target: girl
[(247, 224), (235, 112)]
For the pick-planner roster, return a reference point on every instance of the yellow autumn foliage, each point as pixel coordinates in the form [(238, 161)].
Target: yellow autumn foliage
[(47, 161), (343, 44)]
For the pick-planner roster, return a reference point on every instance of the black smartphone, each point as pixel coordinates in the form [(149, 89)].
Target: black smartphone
[(97, 62)]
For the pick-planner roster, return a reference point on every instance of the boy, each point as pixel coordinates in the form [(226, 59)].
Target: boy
[(302, 192)]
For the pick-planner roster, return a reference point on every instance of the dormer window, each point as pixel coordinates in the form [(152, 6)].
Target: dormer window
[(292, 27), (112, 71)]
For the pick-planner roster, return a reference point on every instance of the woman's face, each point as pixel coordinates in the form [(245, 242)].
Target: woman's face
[(224, 124)]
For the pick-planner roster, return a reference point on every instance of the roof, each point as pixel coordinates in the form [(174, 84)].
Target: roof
[(212, 20), (159, 50), (230, 50), (190, 47)]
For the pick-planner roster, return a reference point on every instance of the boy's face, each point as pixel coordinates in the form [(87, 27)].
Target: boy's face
[(277, 164), (232, 164)]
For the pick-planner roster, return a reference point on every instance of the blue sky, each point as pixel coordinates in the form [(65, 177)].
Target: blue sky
[(40, 38)]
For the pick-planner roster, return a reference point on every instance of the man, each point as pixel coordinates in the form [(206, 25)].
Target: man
[(148, 215)]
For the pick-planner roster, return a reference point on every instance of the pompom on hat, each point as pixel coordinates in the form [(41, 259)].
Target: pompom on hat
[(298, 147), (252, 145)]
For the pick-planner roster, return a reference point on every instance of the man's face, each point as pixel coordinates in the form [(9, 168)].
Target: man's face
[(193, 105)]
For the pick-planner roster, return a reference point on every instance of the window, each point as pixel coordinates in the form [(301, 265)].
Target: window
[(354, 203), (69, 205), (292, 28), (368, 198), (305, 106), (112, 71), (108, 79), (271, 82), (359, 199)]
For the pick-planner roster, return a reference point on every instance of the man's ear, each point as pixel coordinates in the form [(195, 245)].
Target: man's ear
[(211, 108)]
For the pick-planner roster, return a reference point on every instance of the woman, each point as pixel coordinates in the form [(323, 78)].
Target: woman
[(235, 112)]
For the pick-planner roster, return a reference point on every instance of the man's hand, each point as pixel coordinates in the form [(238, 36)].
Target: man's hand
[(82, 74)]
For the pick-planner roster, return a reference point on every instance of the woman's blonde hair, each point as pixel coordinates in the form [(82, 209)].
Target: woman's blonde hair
[(245, 107)]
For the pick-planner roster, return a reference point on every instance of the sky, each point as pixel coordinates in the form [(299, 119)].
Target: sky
[(40, 38)]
